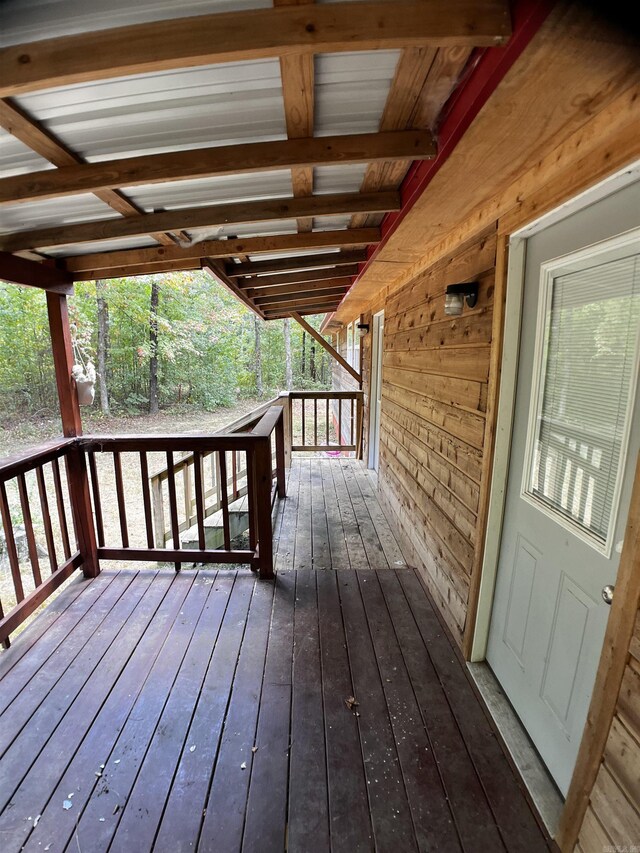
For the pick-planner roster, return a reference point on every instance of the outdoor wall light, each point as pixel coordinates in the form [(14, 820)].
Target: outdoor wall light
[(455, 297), (363, 329)]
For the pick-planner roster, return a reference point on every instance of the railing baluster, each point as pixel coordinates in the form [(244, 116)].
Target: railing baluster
[(97, 503), (351, 424), (251, 501), (10, 542), (224, 500), (122, 510), (327, 433), (315, 421), (234, 475), (340, 422), (62, 513), (188, 493), (197, 475), (27, 520), (173, 504), (46, 519), (302, 402), (158, 513), (146, 498)]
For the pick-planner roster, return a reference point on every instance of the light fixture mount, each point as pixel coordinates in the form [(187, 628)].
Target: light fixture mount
[(457, 294)]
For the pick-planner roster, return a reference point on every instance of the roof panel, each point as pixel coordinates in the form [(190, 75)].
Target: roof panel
[(16, 158), (30, 20), (103, 246), (352, 89), (167, 111), (339, 179), (53, 212), (330, 223), (227, 188)]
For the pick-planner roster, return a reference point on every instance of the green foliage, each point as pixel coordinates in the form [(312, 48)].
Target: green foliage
[(206, 346)]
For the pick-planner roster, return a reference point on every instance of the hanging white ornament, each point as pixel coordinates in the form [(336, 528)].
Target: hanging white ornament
[(85, 379)]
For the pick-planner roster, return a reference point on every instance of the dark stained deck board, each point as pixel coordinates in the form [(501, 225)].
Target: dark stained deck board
[(308, 794), (370, 539), (266, 813), (320, 545), (200, 666)]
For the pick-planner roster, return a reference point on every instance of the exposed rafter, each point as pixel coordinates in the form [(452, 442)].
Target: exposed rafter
[(265, 282), (216, 270), (216, 161), (246, 35), (39, 139), (201, 217), (337, 290), (99, 262), (303, 262)]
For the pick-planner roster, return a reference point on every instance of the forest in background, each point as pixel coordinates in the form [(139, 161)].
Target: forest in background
[(177, 339)]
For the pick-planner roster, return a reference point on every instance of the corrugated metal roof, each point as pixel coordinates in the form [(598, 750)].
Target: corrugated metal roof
[(16, 158), (330, 223), (53, 212), (339, 179), (351, 90), (30, 20), (228, 188), (168, 111), (249, 229)]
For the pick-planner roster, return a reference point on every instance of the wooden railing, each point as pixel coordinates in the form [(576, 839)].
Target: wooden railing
[(240, 462), (326, 421), (29, 524)]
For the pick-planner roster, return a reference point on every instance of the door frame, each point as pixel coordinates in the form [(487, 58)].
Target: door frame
[(375, 416), (624, 607), (505, 410)]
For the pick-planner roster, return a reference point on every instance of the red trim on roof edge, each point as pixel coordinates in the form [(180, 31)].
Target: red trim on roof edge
[(486, 70)]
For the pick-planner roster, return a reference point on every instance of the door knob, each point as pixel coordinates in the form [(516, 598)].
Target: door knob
[(607, 593)]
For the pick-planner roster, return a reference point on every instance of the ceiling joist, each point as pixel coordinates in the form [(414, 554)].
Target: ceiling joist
[(316, 294), (217, 161), (303, 262), (247, 35), (202, 217), (99, 262), (265, 282), (39, 139)]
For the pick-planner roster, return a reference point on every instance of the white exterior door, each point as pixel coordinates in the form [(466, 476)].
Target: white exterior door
[(576, 436), (375, 392)]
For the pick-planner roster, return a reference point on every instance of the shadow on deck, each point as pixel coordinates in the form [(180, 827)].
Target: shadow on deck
[(148, 710)]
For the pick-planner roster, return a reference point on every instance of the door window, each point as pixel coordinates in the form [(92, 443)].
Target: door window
[(587, 357)]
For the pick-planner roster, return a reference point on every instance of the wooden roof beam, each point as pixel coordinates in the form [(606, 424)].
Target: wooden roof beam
[(202, 217), (217, 272), (103, 261), (309, 295), (32, 274), (270, 282), (302, 262), (39, 139), (215, 161), (133, 271), (247, 35)]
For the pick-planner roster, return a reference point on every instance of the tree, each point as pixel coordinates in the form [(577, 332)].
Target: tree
[(288, 369), (258, 357), (153, 348), (103, 345)]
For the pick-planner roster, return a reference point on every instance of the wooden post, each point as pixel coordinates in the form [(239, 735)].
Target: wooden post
[(262, 480), (72, 426), (280, 457), (284, 400)]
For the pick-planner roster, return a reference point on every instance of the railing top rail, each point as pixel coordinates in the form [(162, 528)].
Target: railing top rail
[(248, 420), (164, 442), (18, 463), (326, 395), (267, 422)]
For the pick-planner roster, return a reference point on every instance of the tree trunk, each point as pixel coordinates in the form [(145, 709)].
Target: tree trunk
[(288, 371), (153, 341), (103, 346), (303, 366), (312, 360), (258, 357)]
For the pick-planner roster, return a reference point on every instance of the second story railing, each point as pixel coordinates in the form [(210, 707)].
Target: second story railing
[(326, 421)]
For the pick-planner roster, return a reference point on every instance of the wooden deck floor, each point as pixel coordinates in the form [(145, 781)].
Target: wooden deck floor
[(208, 711)]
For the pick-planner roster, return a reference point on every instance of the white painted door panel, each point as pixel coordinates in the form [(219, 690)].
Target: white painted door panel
[(549, 618)]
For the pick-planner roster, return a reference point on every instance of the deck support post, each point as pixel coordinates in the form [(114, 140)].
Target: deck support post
[(79, 494), (263, 477)]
